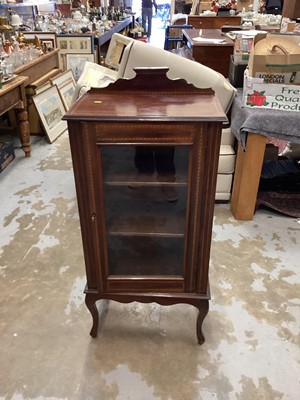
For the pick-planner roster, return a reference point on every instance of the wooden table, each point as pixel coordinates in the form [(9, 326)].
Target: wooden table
[(251, 151), (39, 67), (214, 56), (12, 96), (247, 173), (39, 72)]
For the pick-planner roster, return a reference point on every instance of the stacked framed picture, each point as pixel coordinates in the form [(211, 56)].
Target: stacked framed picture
[(75, 50), (65, 83), (41, 39), (51, 109), (53, 102)]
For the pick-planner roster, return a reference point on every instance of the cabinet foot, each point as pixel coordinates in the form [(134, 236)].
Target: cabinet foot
[(202, 304), (203, 310), (90, 301)]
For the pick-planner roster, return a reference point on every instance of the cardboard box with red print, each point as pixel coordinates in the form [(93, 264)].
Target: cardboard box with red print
[(258, 94)]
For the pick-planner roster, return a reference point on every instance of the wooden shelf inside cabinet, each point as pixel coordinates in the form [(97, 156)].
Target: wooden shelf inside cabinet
[(131, 180), (145, 155), (160, 226)]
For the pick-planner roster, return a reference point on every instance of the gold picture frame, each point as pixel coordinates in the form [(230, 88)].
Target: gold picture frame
[(63, 78), (67, 93), (51, 109)]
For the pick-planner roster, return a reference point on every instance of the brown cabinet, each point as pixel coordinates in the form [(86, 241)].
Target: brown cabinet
[(291, 9), (145, 155), (213, 55), (199, 22)]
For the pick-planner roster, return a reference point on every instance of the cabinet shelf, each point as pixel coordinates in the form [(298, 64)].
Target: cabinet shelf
[(123, 171), (133, 179), (145, 256), (145, 234), (144, 211), (131, 225)]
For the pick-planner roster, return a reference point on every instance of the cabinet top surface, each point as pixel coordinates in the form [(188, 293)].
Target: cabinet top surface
[(150, 96), (155, 106), (146, 106), (207, 34)]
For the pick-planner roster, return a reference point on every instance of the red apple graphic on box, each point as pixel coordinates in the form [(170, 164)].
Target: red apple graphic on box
[(257, 99)]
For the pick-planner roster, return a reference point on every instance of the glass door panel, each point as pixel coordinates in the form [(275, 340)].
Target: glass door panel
[(145, 195)]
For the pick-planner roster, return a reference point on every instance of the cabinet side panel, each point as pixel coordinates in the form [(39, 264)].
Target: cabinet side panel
[(209, 169), (204, 160), (83, 157)]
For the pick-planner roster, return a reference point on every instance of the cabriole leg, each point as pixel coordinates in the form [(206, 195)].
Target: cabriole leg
[(203, 310), (90, 301)]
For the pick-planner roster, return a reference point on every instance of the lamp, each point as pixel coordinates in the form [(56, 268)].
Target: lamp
[(291, 9), (15, 20)]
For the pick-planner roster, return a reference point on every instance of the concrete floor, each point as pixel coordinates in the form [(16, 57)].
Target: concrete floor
[(143, 352)]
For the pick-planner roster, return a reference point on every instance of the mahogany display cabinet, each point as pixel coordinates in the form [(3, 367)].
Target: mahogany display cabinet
[(145, 155)]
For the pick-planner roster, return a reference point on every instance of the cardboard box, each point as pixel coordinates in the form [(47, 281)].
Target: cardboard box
[(277, 68), (286, 78), (289, 73), (7, 154), (258, 94)]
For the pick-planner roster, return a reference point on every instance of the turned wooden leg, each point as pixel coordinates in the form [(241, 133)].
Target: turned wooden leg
[(24, 131), (90, 301), (203, 310)]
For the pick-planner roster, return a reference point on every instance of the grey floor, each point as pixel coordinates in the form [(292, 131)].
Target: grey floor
[(142, 351)]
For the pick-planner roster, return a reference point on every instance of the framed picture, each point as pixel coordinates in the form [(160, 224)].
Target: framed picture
[(40, 89), (48, 43), (63, 78), (66, 92), (48, 37), (76, 44), (76, 62), (116, 50), (51, 109)]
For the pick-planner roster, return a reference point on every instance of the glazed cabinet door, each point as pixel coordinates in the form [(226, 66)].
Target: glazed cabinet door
[(146, 201), (145, 190)]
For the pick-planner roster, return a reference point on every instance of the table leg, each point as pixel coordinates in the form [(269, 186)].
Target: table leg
[(246, 178), (24, 131)]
